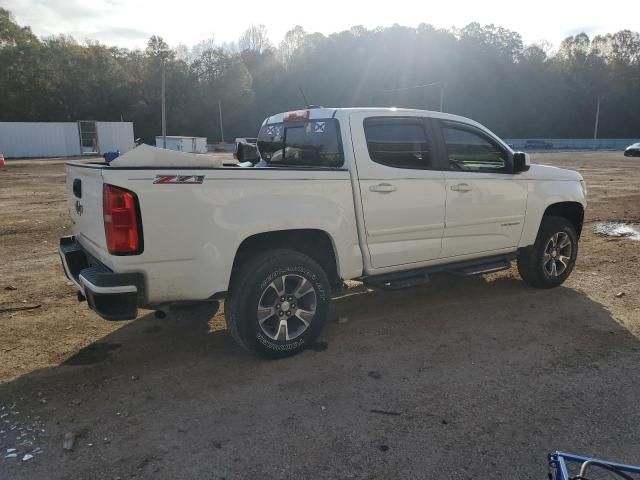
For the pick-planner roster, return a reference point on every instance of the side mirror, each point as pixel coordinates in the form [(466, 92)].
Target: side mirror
[(520, 162)]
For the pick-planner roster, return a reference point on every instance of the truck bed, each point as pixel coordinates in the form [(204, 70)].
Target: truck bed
[(194, 219)]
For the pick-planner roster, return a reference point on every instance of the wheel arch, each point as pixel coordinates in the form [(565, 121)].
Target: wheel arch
[(315, 243), (572, 211)]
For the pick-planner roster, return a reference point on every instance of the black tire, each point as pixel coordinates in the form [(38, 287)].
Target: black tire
[(536, 268), (254, 285)]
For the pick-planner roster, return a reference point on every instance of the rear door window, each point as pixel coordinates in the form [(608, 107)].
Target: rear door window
[(399, 142), (310, 143)]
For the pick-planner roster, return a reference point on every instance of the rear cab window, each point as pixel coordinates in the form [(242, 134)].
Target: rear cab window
[(305, 143)]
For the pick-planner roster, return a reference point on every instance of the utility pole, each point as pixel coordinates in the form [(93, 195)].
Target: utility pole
[(595, 129), (164, 110), (221, 128)]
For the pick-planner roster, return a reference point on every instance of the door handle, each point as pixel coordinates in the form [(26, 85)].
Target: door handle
[(383, 188), (461, 187), (77, 187)]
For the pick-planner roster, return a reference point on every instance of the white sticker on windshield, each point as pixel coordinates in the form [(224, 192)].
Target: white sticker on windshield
[(318, 127), (270, 130)]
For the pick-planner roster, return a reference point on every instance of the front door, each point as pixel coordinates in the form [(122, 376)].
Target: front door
[(403, 195), (485, 204)]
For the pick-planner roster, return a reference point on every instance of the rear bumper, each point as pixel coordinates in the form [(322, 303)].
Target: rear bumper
[(113, 296)]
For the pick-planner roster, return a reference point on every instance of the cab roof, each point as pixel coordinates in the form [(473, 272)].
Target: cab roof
[(341, 113)]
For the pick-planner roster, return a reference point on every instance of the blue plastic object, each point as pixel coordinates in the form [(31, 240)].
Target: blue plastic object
[(566, 466), (110, 156)]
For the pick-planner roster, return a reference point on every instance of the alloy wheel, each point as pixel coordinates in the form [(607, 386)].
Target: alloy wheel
[(557, 254), (286, 307)]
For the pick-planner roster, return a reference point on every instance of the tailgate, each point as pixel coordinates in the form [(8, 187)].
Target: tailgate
[(84, 201)]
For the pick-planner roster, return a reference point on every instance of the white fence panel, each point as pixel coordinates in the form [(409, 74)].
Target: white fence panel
[(114, 136), (39, 139), (539, 144)]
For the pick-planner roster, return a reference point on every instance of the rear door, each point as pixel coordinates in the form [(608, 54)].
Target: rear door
[(485, 204), (84, 202), (402, 192)]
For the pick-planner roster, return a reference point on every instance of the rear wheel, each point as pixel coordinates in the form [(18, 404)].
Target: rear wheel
[(552, 258), (278, 303)]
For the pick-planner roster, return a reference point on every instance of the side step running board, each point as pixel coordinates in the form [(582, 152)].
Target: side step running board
[(413, 278), (395, 282), (480, 269)]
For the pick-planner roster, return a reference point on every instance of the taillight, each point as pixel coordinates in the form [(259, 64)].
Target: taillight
[(297, 116), (121, 221)]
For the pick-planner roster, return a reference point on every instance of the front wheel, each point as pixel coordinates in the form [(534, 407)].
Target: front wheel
[(551, 259), (278, 304)]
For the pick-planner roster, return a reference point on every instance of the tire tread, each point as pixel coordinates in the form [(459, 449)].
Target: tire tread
[(528, 267), (240, 282)]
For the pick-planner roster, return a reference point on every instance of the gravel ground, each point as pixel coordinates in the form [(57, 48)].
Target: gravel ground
[(461, 378)]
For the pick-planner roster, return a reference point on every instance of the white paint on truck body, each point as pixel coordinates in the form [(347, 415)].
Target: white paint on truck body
[(192, 232)]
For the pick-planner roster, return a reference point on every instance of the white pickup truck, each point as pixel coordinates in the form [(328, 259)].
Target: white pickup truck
[(381, 195)]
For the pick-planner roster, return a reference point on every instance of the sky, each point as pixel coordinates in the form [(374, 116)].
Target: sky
[(128, 23)]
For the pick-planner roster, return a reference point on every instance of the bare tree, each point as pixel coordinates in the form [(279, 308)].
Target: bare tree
[(255, 39), (292, 42)]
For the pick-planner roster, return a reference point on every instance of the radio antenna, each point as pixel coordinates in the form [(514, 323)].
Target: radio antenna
[(306, 102)]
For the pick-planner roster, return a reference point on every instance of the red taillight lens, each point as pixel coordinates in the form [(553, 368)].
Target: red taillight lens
[(121, 221), (297, 116)]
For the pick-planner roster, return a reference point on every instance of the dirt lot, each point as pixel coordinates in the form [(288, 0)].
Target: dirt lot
[(462, 378)]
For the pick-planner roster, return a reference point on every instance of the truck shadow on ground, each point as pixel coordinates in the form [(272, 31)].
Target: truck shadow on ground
[(410, 381)]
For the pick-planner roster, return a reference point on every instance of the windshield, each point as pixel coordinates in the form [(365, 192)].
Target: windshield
[(312, 143)]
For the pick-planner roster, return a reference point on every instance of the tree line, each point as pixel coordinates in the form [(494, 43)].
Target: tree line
[(488, 74)]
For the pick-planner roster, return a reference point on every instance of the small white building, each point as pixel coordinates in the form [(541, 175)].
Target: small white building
[(64, 139), (184, 144)]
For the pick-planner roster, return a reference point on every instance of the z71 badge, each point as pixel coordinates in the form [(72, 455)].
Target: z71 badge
[(181, 179)]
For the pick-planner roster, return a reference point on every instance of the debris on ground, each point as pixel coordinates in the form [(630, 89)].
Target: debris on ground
[(385, 412), (343, 319), (19, 309), (10, 287), (21, 433), (69, 441), (619, 294), (616, 229)]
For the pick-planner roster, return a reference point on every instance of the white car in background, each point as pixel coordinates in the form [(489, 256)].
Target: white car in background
[(632, 150)]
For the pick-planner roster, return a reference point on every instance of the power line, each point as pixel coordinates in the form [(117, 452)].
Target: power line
[(415, 87), (412, 88)]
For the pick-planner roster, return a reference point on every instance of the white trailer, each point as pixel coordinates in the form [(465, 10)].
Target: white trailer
[(64, 139), (184, 144), (39, 139)]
